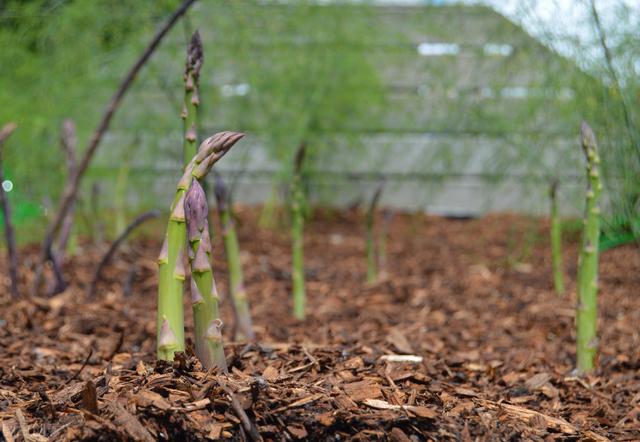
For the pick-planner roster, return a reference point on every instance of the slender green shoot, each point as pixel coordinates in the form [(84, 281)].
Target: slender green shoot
[(587, 314), (556, 240), (383, 270), (243, 327), (297, 236), (372, 264)]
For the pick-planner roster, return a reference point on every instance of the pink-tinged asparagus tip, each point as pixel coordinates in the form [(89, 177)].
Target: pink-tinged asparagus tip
[(200, 263), (179, 271), (588, 138), (177, 213), (195, 54), (163, 257), (214, 331), (167, 339), (220, 142), (195, 210), (196, 296), (222, 193)]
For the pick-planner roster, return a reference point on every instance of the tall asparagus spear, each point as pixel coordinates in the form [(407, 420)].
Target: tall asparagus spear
[(170, 326), (556, 240), (195, 58), (204, 295), (297, 232), (243, 328), (372, 270), (9, 234), (587, 314)]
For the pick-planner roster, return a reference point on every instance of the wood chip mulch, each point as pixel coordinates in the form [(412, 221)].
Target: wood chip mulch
[(463, 339)]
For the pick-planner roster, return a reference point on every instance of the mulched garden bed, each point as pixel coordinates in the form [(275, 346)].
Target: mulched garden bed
[(471, 301)]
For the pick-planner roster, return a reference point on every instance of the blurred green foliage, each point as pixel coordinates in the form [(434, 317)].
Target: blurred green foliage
[(323, 74)]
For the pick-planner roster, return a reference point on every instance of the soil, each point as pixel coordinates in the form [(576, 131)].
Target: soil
[(471, 301)]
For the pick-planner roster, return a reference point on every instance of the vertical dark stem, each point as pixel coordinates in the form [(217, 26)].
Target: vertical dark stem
[(69, 143), (9, 233)]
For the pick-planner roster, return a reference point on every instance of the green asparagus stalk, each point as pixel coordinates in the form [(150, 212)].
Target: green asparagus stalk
[(297, 232), (170, 325), (372, 270), (204, 295), (195, 58), (243, 328), (587, 315), (121, 192), (382, 244), (556, 240)]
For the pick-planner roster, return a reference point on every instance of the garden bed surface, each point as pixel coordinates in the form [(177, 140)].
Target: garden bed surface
[(472, 302)]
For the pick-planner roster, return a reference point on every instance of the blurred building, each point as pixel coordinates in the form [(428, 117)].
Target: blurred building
[(476, 112)]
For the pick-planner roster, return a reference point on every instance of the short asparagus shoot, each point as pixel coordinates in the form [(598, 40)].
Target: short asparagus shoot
[(171, 271), (372, 264), (243, 327), (556, 240), (204, 295), (297, 235), (587, 312)]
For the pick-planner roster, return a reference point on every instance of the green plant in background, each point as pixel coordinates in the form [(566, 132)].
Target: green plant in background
[(298, 202), (387, 217), (189, 114), (556, 240), (243, 327), (204, 295), (587, 311), (171, 271), (372, 264), (122, 182)]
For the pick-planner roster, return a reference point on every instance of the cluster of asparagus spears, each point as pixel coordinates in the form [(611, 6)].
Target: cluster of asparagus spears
[(188, 230)]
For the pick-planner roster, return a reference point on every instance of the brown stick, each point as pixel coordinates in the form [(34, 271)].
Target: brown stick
[(248, 426), (69, 143), (71, 188), (9, 233), (114, 246)]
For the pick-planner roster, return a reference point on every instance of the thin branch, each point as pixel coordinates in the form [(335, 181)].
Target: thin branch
[(612, 72), (114, 246), (71, 189), (248, 426), (9, 232), (69, 144)]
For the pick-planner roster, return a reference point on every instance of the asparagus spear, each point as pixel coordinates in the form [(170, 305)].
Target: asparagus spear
[(372, 270), (195, 58), (556, 240), (587, 315), (382, 243), (204, 295), (243, 328), (170, 325), (297, 231)]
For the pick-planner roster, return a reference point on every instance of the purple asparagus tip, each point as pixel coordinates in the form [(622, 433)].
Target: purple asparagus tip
[(195, 55), (195, 209), (221, 192)]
